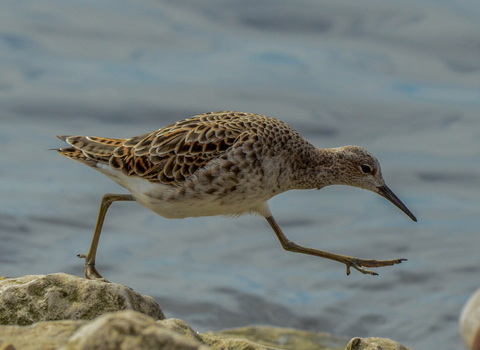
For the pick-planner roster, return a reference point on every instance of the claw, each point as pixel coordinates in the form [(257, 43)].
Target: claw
[(91, 272), (365, 272), (358, 263)]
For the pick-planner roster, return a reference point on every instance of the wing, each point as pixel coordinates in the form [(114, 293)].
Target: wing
[(169, 155)]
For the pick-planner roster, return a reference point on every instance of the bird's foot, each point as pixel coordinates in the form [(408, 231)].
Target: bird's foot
[(91, 272), (358, 263)]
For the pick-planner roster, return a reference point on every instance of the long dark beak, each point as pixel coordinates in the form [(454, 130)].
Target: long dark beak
[(384, 191)]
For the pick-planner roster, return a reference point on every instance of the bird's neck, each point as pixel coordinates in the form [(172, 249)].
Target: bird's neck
[(316, 168)]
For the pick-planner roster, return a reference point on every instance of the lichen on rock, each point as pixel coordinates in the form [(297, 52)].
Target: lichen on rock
[(60, 296)]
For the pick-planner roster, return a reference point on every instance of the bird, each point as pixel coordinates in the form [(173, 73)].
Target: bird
[(225, 163)]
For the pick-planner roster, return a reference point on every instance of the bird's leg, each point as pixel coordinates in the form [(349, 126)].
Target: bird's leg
[(349, 261), (91, 272)]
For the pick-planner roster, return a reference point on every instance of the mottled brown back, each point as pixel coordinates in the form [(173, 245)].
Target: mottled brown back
[(172, 154)]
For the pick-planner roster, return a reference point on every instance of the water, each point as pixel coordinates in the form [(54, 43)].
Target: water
[(401, 79)]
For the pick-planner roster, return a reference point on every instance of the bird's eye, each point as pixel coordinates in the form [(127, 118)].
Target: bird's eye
[(367, 169)]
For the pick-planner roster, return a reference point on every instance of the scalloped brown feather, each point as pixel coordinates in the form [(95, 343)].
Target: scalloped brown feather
[(172, 154)]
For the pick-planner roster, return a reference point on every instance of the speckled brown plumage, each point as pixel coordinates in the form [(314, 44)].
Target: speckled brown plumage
[(225, 163), (174, 153)]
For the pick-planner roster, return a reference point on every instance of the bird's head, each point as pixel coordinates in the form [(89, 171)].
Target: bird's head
[(358, 167)]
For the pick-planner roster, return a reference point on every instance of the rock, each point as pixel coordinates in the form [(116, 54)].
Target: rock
[(47, 335), (213, 341), (470, 322), (132, 330), (374, 343), (60, 296), (285, 338), (6, 346), (66, 312), (181, 327), (129, 330)]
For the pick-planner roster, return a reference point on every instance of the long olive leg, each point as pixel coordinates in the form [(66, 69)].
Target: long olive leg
[(91, 272), (347, 260)]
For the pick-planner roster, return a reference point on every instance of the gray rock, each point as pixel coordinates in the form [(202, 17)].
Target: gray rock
[(60, 296)]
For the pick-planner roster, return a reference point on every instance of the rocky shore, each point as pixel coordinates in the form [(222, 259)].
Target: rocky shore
[(65, 312)]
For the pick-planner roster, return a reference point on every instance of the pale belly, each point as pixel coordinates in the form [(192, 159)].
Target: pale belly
[(194, 207), (171, 202)]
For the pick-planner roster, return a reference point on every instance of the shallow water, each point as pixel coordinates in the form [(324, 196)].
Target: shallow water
[(400, 79)]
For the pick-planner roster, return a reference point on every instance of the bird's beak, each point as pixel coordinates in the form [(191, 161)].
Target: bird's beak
[(384, 191)]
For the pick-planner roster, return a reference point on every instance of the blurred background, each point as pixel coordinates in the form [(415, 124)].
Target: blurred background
[(401, 79)]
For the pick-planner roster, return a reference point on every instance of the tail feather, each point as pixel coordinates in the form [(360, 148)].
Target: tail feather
[(89, 150), (78, 155), (63, 137)]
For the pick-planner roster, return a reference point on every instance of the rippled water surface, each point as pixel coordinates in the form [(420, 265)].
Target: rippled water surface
[(401, 79)]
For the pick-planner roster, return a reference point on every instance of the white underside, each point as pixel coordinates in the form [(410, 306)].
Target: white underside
[(151, 196)]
